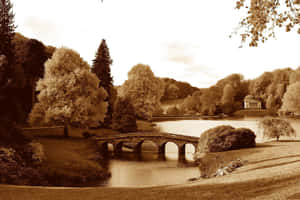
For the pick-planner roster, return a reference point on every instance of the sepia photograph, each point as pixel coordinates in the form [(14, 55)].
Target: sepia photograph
[(149, 100)]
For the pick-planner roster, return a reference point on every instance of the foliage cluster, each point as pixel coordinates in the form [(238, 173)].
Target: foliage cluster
[(263, 16), (124, 119), (224, 138), (225, 97), (143, 90), (101, 67), (69, 93), (276, 127)]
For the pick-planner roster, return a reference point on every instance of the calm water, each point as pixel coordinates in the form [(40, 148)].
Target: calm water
[(149, 169)]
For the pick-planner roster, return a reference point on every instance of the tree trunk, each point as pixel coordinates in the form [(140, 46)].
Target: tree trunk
[(66, 130)]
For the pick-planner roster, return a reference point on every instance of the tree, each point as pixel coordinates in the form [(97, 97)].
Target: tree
[(275, 127), (191, 103), (210, 100), (184, 89), (101, 67), (172, 91), (264, 15), (8, 130), (36, 56), (173, 111), (124, 119), (143, 89), (228, 98), (294, 76), (69, 93), (291, 99), (7, 31)]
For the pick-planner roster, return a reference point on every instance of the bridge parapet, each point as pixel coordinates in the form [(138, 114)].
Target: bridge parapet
[(159, 138)]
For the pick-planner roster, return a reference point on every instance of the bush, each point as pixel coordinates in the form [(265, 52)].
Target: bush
[(15, 170), (124, 119), (275, 127), (37, 152), (224, 138)]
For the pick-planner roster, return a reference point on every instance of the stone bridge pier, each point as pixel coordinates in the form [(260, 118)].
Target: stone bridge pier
[(136, 141), (118, 145)]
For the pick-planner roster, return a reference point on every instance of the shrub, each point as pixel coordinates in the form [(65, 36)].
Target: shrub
[(15, 169), (224, 138), (124, 119), (37, 151)]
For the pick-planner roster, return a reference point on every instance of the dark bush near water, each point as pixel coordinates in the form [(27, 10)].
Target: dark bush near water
[(224, 138)]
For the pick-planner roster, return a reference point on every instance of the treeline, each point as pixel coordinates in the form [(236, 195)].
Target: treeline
[(176, 89), (228, 94), (225, 96)]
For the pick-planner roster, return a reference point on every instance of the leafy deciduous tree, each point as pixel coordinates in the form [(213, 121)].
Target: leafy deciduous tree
[(291, 98), (264, 15), (228, 98), (69, 93), (33, 66), (124, 119), (173, 111), (143, 89), (274, 128)]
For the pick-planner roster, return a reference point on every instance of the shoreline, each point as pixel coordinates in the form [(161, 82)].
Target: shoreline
[(273, 172)]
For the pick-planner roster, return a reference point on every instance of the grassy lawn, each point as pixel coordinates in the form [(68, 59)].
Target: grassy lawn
[(252, 113), (272, 172), (74, 161)]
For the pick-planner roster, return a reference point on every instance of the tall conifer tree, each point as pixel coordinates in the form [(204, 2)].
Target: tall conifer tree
[(7, 30), (101, 67)]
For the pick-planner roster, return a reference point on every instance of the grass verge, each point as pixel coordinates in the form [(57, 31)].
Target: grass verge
[(72, 162)]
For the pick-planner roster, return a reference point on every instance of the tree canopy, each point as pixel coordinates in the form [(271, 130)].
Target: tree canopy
[(7, 30), (276, 127), (263, 16), (101, 67), (143, 89), (291, 99), (69, 93)]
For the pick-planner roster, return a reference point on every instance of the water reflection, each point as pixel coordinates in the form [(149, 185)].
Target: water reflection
[(150, 168)]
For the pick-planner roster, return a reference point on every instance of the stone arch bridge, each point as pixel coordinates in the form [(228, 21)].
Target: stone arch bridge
[(159, 138)]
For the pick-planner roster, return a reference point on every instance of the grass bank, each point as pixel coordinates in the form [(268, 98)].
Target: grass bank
[(252, 113), (71, 162), (272, 172)]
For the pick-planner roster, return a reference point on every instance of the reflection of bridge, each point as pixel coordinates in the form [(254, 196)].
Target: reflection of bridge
[(160, 139)]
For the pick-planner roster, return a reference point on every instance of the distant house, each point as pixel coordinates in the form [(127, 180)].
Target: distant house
[(251, 103)]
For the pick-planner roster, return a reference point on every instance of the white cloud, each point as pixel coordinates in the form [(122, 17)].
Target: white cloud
[(138, 31)]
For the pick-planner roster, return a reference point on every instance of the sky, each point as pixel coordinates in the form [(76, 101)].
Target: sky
[(187, 40)]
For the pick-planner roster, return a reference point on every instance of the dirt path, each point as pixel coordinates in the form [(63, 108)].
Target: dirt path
[(272, 172)]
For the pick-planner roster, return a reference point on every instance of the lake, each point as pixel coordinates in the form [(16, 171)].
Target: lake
[(148, 169)]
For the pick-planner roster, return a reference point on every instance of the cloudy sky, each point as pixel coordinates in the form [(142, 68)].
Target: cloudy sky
[(187, 40)]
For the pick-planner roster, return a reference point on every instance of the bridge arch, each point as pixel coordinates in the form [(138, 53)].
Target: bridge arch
[(139, 146), (190, 149), (118, 145), (160, 139)]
